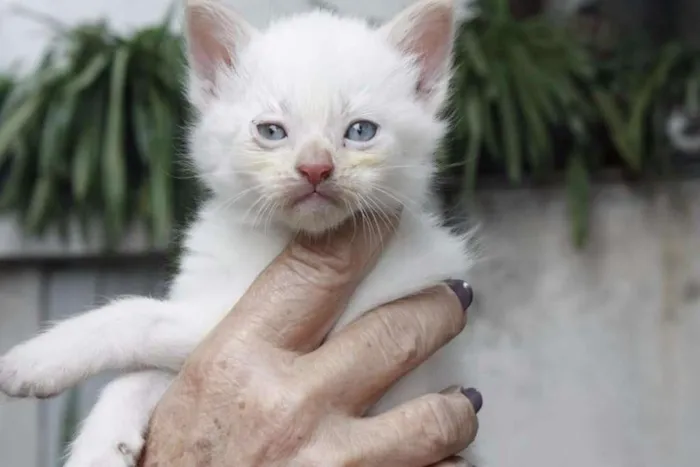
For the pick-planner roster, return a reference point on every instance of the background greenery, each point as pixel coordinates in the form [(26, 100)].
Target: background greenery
[(96, 131), (537, 102)]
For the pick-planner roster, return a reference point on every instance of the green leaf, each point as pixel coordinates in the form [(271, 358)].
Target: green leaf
[(88, 76), (28, 90), (490, 133), (40, 205), (12, 190), (643, 101), (510, 131), (473, 50), (475, 137), (114, 164), (538, 141), (161, 157), (86, 161), (539, 93), (12, 127), (578, 195), (617, 128), (143, 125), (53, 146)]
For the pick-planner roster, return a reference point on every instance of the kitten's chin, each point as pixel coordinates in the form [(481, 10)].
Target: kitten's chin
[(316, 220)]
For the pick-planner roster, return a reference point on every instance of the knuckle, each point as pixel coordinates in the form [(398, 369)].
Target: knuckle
[(439, 425), (400, 341), (295, 415), (284, 427)]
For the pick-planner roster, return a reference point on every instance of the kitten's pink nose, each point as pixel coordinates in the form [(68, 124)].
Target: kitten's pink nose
[(315, 173)]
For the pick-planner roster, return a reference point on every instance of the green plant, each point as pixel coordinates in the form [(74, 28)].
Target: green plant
[(6, 85), (93, 133), (516, 82), (531, 101), (636, 92)]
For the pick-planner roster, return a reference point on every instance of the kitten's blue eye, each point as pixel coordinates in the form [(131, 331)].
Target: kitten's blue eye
[(362, 131), (271, 131)]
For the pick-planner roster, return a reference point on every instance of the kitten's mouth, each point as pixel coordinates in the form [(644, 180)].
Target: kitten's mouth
[(314, 197)]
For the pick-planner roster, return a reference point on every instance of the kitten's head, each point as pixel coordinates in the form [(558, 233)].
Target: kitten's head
[(318, 117)]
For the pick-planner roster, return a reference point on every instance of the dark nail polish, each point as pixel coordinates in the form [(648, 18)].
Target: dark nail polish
[(463, 291), (474, 397)]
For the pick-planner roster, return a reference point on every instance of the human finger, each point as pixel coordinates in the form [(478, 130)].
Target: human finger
[(295, 301), (370, 355), (423, 431)]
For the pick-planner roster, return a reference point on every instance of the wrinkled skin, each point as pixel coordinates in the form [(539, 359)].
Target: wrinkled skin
[(264, 389)]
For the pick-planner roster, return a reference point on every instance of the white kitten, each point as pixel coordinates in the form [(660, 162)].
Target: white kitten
[(298, 127)]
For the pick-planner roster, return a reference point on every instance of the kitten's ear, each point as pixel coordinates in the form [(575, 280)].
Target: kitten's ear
[(425, 31), (215, 36)]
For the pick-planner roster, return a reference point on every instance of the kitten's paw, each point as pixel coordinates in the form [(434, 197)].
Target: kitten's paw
[(27, 373), (122, 453)]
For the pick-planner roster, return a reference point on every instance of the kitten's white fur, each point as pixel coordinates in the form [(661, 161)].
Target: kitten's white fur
[(314, 74)]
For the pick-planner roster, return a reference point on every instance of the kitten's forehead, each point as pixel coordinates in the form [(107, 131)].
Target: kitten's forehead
[(321, 57)]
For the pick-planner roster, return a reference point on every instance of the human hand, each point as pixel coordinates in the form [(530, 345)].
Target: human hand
[(265, 390)]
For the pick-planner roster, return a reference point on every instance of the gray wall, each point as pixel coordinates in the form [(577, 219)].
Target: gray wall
[(592, 356), (20, 297)]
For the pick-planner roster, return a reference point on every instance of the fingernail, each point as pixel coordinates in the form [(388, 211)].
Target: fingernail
[(463, 291), (474, 397)]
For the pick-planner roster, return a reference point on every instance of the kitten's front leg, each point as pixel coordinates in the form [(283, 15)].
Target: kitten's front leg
[(112, 435), (128, 334)]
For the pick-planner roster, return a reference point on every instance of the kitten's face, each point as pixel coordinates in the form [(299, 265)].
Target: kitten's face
[(315, 119)]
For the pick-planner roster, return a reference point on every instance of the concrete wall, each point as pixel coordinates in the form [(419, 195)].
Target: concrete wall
[(589, 357), (20, 297)]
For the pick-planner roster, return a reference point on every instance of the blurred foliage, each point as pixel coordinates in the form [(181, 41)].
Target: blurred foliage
[(97, 130), (634, 93), (531, 101), (94, 132), (515, 80)]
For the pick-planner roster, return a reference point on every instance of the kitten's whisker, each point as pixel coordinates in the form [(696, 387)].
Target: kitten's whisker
[(398, 198), (273, 205), (265, 213), (381, 211), (232, 172), (232, 201), (348, 206), (253, 207), (370, 218), (362, 212), (421, 168)]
